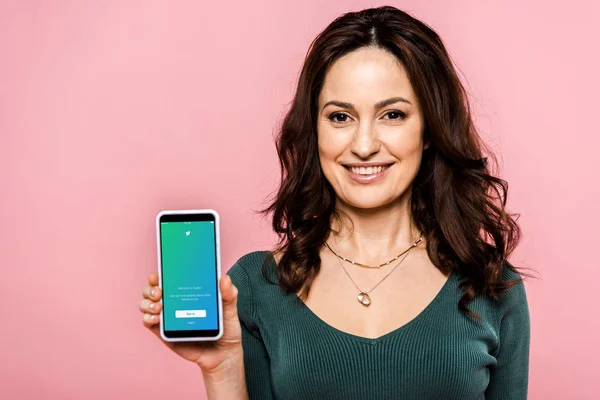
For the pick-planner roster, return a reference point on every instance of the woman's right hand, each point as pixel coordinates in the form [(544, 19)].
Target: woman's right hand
[(216, 358)]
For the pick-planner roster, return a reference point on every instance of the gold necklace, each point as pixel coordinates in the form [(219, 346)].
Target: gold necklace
[(363, 297), (380, 265)]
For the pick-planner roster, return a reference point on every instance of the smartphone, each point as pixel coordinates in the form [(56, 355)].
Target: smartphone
[(189, 270)]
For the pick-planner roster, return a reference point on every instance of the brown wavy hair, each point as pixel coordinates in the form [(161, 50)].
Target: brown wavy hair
[(456, 202)]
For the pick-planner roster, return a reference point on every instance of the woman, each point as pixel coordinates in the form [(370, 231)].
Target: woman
[(391, 278)]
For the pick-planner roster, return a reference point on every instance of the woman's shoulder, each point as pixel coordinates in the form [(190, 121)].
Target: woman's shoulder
[(248, 269), (252, 261), (510, 300), (515, 296), (256, 293)]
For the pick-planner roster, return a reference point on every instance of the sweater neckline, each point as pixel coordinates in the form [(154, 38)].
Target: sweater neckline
[(430, 308)]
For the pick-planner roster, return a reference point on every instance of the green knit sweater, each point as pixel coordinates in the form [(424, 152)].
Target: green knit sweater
[(292, 354)]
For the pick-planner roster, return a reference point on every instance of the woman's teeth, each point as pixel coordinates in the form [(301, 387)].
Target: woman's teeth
[(368, 170)]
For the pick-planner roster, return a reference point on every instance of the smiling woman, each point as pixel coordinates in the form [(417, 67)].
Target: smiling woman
[(362, 143), (391, 278)]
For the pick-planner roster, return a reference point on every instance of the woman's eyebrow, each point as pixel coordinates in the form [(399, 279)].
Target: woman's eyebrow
[(377, 106)]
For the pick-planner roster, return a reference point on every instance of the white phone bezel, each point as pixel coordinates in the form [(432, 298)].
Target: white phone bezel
[(218, 258)]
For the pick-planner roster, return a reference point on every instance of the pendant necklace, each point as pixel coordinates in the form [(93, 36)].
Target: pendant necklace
[(363, 297)]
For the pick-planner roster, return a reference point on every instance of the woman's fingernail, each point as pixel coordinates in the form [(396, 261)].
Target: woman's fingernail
[(152, 317), (153, 292), (152, 305)]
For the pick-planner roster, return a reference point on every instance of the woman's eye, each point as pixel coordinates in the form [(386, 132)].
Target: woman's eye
[(396, 115), (333, 117), (341, 118)]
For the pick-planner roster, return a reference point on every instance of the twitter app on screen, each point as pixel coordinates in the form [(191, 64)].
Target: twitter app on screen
[(189, 275)]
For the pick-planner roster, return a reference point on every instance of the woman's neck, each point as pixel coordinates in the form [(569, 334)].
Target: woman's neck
[(373, 236)]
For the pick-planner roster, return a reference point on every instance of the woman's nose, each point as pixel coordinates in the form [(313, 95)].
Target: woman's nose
[(365, 141)]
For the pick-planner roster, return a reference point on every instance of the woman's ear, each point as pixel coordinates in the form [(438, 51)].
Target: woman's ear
[(426, 138)]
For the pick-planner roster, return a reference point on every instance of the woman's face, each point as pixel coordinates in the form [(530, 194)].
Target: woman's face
[(370, 129)]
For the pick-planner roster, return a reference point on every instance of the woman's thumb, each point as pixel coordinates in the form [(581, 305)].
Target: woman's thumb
[(229, 293)]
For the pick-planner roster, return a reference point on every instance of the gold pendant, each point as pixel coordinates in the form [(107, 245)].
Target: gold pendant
[(364, 299)]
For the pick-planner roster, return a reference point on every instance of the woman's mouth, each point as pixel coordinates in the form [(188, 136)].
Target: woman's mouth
[(367, 174)]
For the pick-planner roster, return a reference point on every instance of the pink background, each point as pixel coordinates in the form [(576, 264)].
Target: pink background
[(113, 110)]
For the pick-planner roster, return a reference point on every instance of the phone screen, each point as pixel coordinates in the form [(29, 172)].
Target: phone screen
[(189, 275)]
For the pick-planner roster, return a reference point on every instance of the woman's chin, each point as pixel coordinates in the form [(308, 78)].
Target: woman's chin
[(365, 204)]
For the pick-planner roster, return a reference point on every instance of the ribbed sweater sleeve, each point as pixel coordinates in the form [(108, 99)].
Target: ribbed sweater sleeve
[(509, 378), (256, 358)]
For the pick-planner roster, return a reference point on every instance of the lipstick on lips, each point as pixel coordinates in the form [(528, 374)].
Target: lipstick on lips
[(367, 172)]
